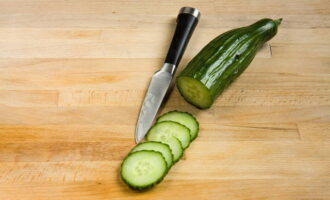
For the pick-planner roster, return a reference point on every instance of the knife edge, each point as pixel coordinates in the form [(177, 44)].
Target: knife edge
[(157, 90)]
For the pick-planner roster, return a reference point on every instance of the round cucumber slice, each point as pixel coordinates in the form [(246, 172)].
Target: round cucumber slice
[(172, 142), (167, 129), (143, 169), (163, 148), (183, 118)]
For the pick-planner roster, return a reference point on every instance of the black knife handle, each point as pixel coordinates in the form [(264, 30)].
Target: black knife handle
[(186, 23)]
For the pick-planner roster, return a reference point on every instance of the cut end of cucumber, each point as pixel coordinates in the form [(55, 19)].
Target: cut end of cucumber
[(194, 92)]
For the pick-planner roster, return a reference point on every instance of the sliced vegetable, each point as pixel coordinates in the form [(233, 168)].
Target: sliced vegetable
[(143, 169), (167, 129), (173, 142), (149, 162), (183, 118), (163, 148)]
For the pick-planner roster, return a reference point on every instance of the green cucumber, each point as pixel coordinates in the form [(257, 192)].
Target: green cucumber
[(164, 149), (221, 61), (183, 118), (167, 129), (143, 169)]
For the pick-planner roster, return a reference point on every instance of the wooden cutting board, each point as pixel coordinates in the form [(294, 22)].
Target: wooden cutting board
[(73, 75)]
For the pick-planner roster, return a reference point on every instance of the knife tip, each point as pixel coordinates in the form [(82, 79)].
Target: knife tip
[(137, 135), (137, 140)]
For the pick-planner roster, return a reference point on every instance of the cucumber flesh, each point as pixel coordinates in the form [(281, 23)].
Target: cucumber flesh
[(183, 118), (172, 142), (164, 149), (194, 92), (143, 169), (167, 129)]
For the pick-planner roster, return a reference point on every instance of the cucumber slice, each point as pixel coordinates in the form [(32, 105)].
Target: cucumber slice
[(172, 142), (184, 118), (169, 128), (164, 149), (143, 169)]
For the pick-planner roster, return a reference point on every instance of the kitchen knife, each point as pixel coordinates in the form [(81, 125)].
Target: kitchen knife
[(161, 80)]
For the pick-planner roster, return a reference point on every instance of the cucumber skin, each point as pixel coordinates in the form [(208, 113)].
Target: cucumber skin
[(192, 139), (222, 60), (137, 188)]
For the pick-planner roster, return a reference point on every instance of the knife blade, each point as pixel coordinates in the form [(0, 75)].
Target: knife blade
[(160, 82)]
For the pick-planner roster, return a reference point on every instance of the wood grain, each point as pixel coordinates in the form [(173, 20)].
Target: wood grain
[(73, 75)]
